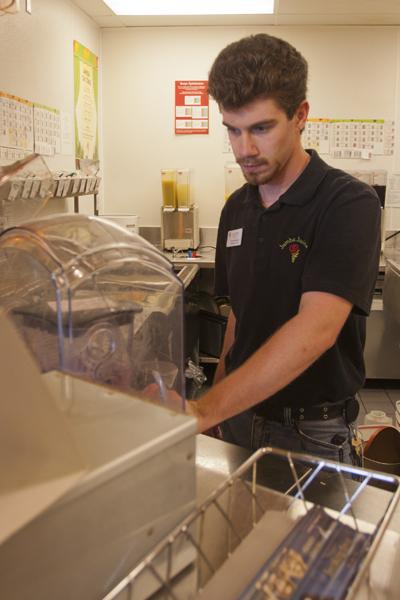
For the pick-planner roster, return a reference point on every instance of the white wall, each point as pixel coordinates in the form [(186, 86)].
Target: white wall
[(36, 59), (353, 74)]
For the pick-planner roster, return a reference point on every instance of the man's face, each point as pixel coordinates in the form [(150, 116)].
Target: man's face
[(264, 139)]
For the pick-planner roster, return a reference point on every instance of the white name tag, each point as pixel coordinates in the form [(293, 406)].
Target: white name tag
[(234, 237)]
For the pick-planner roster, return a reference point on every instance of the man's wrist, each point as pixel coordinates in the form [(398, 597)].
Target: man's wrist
[(193, 409)]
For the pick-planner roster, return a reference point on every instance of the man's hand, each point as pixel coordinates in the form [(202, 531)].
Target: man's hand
[(166, 397)]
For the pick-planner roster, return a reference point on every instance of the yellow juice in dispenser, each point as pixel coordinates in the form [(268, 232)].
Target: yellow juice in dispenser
[(168, 186), (234, 179), (169, 193), (183, 189)]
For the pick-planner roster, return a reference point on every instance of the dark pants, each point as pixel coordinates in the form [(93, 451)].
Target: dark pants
[(309, 437)]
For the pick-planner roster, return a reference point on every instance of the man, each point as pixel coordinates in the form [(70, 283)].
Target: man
[(297, 253)]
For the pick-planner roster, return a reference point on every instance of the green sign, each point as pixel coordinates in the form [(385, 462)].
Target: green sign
[(86, 103)]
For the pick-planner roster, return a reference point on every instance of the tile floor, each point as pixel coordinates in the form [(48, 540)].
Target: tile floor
[(378, 399)]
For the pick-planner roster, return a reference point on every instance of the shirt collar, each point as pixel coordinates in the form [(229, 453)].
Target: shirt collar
[(303, 188)]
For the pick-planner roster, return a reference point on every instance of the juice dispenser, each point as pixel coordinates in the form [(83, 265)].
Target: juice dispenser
[(183, 189), (168, 186), (179, 217), (234, 179)]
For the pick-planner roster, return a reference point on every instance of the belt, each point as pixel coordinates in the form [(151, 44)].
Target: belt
[(348, 409)]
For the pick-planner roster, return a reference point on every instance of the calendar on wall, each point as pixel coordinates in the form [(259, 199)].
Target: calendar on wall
[(344, 138), (27, 127), (16, 123), (350, 138), (316, 135), (47, 127)]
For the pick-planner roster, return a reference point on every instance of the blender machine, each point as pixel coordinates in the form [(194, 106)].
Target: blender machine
[(96, 316)]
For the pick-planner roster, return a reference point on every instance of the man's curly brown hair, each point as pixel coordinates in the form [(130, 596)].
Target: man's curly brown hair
[(259, 66)]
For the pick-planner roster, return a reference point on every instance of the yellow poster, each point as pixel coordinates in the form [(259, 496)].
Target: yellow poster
[(86, 102)]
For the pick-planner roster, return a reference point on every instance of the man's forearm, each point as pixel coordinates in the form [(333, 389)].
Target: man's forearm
[(289, 352), (228, 341)]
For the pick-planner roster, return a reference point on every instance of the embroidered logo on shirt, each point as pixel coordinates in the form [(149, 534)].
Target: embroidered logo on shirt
[(294, 247)]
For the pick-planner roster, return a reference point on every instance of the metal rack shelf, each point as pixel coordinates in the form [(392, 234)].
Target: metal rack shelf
[(215, 551), (27, 185)]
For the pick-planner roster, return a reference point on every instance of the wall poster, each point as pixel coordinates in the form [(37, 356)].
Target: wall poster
[(86, 102), (191, 107)]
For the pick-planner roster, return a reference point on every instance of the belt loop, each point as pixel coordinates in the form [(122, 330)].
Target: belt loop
[(287, 415)]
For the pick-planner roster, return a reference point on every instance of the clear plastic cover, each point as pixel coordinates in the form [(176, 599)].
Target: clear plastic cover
[(93, 299), (183, 189), (168, 187)]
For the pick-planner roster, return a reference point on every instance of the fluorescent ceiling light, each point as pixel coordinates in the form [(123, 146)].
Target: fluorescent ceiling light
[(190, 7)]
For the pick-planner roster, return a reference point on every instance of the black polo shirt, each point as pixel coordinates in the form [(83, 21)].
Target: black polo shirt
[(322, 234)]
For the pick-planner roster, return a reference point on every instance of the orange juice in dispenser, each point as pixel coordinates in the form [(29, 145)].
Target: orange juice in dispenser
[(168, 186)]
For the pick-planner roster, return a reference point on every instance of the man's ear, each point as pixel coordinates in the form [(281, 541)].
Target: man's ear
[(301, 115)]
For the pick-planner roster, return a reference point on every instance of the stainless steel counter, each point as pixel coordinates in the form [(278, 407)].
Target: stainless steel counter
[(205, 260), (186, 273)]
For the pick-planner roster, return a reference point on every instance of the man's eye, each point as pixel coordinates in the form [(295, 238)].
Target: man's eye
[(233, 131), (261, 128)]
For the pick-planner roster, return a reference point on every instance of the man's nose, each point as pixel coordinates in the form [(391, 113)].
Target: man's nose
[(247, 147)]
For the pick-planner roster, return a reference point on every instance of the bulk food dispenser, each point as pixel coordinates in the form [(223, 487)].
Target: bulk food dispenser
[(101, 312), (179, 217)]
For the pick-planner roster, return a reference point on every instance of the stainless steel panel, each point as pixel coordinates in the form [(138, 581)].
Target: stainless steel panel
[(141, 482), (391, 291), (382, 348), (180, 229)]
